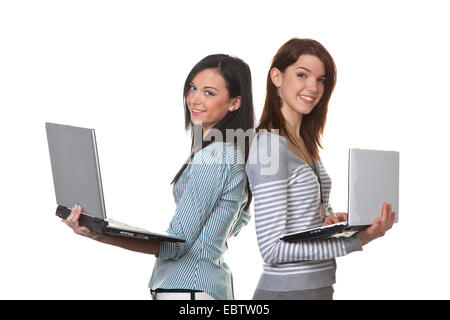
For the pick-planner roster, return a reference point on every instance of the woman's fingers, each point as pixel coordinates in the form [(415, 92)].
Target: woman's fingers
[(376, 229), (74, 216), (333, 218), (73, 222), (373, 229), (379, 225), (342, 216), (68, 220), (384, 214), (384, 223), (389, 218)]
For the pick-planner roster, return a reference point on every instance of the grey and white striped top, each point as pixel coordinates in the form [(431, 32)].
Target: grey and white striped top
[(286, 200), (210, 196)]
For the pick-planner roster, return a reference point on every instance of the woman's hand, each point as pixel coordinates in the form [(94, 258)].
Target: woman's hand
[(379, 226), (72, 222), (334, 218), (138, 245)]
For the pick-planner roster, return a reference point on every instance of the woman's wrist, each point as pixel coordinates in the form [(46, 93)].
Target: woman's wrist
[(363, 239)]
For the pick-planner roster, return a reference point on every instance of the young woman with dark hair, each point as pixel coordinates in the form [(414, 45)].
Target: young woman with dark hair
[(210, 190), (294, 197)]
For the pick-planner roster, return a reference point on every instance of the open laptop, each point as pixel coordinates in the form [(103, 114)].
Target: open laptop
[(373, 178), (77, 180)]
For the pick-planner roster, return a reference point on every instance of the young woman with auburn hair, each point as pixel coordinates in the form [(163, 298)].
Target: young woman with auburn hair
[(294, 197)]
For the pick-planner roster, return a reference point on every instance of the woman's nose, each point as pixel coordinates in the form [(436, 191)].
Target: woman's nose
[(194, 96), (312, 85)]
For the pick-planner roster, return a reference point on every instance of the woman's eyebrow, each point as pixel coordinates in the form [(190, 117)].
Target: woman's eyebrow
[(305, 69), (209, 87)]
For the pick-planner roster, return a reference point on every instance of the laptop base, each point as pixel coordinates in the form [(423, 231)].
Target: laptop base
[(102, 226), (324, 232)]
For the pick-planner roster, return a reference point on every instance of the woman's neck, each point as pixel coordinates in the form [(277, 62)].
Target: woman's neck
[(205, 132), (293, 120), (296, 143)]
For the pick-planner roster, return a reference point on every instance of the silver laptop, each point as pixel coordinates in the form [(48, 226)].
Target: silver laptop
[(77, 180), (373, 178)]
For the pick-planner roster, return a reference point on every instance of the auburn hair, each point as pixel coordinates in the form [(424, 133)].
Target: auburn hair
[(313, 123)]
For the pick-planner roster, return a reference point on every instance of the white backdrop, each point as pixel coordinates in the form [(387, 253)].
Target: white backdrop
[(120, 66)]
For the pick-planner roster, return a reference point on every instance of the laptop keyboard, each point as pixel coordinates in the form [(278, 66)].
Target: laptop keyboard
[(315, 233), (334, 225), (114, 223)]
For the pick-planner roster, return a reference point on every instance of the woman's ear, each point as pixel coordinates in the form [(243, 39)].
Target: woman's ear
[(235, 104), (275, 76)]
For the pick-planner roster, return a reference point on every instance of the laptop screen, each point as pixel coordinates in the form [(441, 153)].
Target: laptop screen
[(373, 179), (75, 168)]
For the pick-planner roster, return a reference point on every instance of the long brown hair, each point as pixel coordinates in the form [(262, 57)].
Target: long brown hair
[(313, 123)]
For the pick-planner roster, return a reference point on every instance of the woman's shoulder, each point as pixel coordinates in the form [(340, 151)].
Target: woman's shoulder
[(273, 134), (268, 142), (268, 158), (222, 153)]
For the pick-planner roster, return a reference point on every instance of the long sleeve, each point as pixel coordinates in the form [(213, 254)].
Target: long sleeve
[(241, 221), (287, 200), (205, 185)]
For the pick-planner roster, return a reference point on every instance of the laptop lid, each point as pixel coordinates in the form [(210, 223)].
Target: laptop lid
[(75, 168), (373, 179)]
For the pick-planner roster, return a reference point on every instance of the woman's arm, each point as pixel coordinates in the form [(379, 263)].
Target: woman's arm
[(241, 221), (204, 187), (270, 223), (137, 245), (270, 194)]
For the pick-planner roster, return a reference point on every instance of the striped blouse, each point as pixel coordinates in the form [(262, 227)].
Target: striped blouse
[(287, 199), (209, 196)]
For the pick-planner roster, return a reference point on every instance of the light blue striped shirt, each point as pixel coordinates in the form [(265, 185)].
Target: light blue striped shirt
[(210, 196)]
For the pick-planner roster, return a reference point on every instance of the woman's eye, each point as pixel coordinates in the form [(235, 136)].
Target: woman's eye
[(191, 88), (301, 75), (209, 93), (322, 80)]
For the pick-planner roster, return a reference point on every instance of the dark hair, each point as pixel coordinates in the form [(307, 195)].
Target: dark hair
[(239, 83), (313, 123)]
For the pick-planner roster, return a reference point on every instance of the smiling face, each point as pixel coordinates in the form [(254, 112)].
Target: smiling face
[(301, 85), (208, 99)]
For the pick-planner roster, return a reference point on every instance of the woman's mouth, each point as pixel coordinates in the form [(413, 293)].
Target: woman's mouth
[(306, 99), (196, 111)]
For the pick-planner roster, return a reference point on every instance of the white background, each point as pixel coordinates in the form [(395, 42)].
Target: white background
[(120, 66)]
